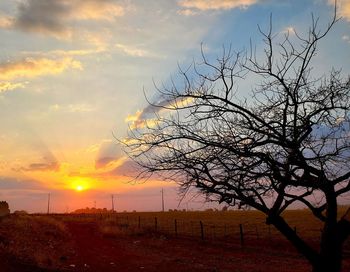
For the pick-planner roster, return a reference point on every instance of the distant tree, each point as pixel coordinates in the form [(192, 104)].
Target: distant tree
[(288, 143), (21, 212), (4, 209)]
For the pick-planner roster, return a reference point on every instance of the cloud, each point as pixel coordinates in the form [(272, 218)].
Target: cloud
[(109, 155), (80, 108), (10, 183), (343, 7), (47, 166), (133, 51), (63, 53), (72, 108), (204, 5), (146, 117), (9, 86), (58, 17), (5, 21), (290, 30), (31, 67)]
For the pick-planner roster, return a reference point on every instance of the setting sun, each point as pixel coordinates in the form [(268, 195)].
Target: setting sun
[(79, 188), (80, 184)]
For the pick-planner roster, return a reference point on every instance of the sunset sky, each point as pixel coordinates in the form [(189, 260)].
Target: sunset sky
[(73, 74)]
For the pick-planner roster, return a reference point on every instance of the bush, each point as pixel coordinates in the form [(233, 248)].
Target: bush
[(4, 209)]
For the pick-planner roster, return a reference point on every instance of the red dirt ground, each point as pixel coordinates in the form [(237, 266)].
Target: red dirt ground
[(155, 252), (94, 252)]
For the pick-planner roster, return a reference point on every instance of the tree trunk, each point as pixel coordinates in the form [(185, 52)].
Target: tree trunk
[(311, 255), (332, 248), (331, 245)]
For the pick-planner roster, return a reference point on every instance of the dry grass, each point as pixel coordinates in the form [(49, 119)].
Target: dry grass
[(38, 241), (217, 225)]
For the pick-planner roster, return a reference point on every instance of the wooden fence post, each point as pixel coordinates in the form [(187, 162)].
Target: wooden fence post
[(202, 230), (175, 225), (241, 234)]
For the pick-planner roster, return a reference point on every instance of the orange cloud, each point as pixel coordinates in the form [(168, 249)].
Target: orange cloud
[(133, 117), (9, 86), (30, 67), (343, 8), (95, 10), (215, 4), (5, 22)]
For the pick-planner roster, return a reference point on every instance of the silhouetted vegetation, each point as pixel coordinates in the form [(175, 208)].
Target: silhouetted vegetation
[(88, 210), (4, 209)]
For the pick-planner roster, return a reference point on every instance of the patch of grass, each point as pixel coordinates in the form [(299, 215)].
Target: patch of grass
[(38, 241)]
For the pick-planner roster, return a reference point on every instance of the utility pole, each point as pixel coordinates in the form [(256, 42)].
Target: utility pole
[(162, 200), (95, 204), (113, 203), (48, 203)]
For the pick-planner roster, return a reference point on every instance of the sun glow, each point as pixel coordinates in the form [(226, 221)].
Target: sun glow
[(80, 184), (79, 188)]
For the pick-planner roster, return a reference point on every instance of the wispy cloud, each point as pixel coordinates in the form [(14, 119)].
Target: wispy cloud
[(46, 163), (58, 17), (72, 108), (346, 38), (5, 21), (109, 155), (63, 53), (134, 51), (343, 7), (31, 67), (9, 86), (50, 166), (204, 5), (147, 117), (80, 108)]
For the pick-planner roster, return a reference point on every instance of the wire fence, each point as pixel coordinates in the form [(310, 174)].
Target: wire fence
[(238, 233)]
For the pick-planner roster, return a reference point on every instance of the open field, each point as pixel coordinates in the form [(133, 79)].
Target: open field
[(169, 241)]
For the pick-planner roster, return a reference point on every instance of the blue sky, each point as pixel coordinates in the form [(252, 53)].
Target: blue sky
[(72, 74)]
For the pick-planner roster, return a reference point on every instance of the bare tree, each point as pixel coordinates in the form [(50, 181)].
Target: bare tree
[(288, 143)]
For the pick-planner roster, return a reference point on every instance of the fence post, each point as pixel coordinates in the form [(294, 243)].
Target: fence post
[(175, 224), (155, 224), (202, 230), (241, 234)]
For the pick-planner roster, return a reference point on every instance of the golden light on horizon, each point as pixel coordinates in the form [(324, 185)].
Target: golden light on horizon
[(80, 184)]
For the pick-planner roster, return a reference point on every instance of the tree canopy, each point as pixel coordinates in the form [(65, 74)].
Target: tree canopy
[(288, 142)]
